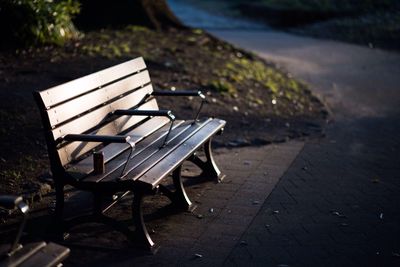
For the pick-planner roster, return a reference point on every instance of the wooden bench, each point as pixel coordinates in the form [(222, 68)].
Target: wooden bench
[(114, 115), (31, 254)]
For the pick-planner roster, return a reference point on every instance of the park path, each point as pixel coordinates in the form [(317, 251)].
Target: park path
[(338, 203), (354, 80)]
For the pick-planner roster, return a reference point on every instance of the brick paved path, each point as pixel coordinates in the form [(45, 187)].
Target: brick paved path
[(337, 205), (224, 212), (339, 202)]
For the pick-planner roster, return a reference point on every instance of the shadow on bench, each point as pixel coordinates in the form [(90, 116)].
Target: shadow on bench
[(106, 134)]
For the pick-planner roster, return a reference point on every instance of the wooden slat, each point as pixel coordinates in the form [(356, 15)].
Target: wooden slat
[(86, 102), (63, 92), (143, 151), (154, 141), (155, 127), (50, 255), (153, 154), (74, 150), (90, 120), (22, 254), (170, 162)]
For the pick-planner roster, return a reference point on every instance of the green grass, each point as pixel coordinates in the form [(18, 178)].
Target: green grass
[(234, 73), (240, 69)]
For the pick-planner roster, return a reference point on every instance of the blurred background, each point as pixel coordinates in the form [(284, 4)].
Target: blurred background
[(368, 22)]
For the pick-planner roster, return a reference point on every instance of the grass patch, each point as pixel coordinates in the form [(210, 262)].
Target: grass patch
[(218, 66)]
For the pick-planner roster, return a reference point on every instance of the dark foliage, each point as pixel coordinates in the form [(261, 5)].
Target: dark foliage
[(154, 14), (31, 22)]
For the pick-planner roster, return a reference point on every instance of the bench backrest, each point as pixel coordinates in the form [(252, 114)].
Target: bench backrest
[(84, 105)]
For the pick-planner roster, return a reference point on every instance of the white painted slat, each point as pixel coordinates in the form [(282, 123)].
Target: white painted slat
[(76, 149), (63, 92), (82, 104), (90, 120)]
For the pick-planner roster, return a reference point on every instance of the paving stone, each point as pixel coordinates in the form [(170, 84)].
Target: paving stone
[(335, 206)]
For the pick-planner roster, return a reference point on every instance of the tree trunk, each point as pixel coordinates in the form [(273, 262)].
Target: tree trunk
[(154, 14)]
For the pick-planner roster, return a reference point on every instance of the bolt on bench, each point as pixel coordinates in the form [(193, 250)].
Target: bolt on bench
[(106, 134)]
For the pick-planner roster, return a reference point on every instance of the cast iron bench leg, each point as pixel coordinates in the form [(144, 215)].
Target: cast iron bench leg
[(179, 198), (59, 186), (209, 167), (141, 236), (59, 229)]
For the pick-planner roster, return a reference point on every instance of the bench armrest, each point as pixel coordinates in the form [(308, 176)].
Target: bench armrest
[(138, 112), (184, 93), (9, 202), (179, 93), (105, 139), (96, 138)]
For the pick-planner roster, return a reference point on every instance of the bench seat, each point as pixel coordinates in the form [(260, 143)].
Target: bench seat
[(144, 165)]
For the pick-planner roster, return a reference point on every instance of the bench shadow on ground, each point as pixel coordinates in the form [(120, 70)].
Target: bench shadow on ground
[(93, 244)]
